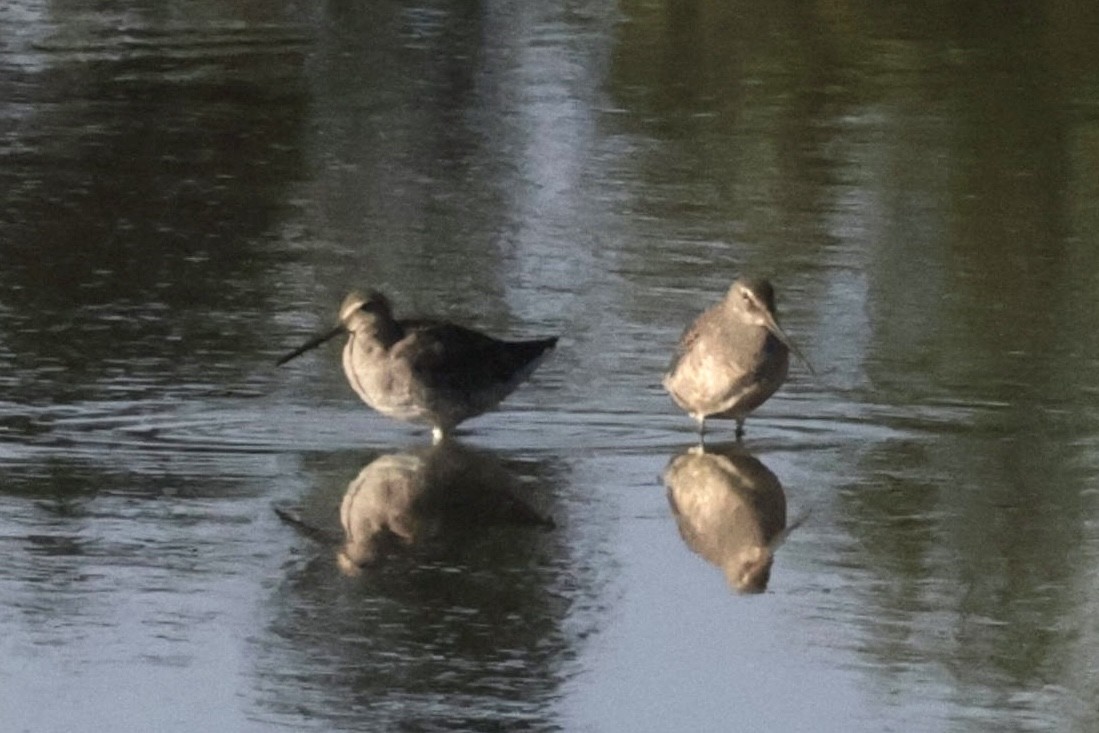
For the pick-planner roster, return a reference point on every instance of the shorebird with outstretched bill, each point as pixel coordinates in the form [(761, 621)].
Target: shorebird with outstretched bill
[(426, 371)]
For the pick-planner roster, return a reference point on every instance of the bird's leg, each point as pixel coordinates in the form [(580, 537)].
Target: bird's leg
[(437, 435), (739, 430), (702, 430)]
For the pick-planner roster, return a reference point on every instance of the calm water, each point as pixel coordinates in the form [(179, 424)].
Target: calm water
[(189, 188)]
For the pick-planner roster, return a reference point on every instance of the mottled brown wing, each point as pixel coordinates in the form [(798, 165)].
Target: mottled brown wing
[(689, 338), (447, 357)]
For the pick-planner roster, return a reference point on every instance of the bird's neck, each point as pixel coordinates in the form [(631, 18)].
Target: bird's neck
[(383, 331), (387, 331)]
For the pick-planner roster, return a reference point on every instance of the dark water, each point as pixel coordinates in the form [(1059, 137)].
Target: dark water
[(189, 189)]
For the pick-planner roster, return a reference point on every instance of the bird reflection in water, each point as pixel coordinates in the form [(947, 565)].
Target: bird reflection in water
[(433, 494), (730, 509)]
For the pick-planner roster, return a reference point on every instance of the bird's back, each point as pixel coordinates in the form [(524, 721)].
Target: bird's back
[(457, 373), (451, 357)]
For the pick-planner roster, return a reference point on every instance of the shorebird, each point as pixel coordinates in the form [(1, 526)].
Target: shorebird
[(426, 371), (732, 358)]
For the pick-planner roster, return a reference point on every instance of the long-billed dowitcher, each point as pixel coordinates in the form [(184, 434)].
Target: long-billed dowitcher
[(732, 358), (426, 371)]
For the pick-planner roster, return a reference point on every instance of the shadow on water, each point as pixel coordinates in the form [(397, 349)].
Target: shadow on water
[(730, 509), (451, 603), (425, 500)]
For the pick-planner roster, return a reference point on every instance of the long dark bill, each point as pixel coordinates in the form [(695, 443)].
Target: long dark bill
[(310, 344), (773, 327)]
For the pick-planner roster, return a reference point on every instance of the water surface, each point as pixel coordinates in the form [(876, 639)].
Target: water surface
[(190, 189)]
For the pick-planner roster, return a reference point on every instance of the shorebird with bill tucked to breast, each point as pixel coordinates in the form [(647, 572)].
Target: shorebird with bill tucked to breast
[(732, 358), (426, 371)]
